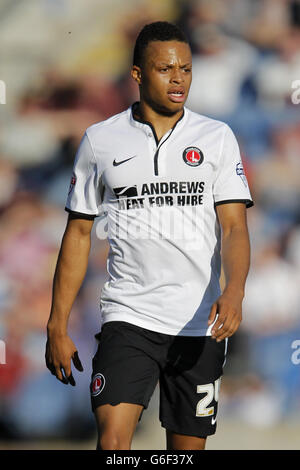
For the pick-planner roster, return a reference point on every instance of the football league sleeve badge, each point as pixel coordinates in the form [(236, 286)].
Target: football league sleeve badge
[(239, 169)]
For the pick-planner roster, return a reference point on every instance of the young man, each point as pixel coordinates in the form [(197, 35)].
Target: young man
[(172, 185)]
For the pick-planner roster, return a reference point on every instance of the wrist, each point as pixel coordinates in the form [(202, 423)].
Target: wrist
[(56, 329), (237, 291)]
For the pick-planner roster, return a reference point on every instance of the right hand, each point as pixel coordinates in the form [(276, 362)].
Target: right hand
[(60, 349)]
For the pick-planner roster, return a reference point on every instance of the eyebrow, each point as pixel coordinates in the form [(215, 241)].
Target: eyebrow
[(171, 65)]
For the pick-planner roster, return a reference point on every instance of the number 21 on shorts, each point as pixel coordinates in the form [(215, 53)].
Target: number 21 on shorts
[(211, 392)]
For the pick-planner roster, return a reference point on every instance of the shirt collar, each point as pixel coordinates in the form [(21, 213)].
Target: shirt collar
[(144, 125)]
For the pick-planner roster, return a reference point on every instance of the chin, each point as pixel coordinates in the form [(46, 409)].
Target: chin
[(169, 110), (166, 108)]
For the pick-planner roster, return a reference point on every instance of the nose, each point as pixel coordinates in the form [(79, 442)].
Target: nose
[(176, 76)]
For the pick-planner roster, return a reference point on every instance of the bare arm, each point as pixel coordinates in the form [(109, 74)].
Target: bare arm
[(236, 259), (70, 271)]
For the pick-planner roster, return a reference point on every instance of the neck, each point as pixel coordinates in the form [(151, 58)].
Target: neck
[(162, 123)]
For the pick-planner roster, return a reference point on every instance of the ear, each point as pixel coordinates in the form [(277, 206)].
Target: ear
[(136, 74)]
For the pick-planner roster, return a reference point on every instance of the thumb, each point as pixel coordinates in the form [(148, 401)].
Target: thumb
[(213, 312), (77, 362)]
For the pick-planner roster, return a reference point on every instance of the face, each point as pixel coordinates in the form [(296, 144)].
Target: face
[(165, 76)]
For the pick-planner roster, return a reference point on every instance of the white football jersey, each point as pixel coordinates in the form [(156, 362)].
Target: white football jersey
[(159, 199)]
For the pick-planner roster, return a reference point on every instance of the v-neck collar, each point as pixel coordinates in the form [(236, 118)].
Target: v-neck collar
[(136, 121)]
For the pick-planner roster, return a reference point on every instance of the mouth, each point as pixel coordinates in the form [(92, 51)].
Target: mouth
[(176, 96)]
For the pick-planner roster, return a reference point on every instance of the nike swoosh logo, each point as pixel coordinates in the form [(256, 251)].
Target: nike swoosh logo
[(122, 161), (213, 420)]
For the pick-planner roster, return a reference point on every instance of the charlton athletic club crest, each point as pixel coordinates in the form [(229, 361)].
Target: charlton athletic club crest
[(97, 384), (192, 156)]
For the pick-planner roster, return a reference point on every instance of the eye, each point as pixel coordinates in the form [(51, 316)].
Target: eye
[(164, 69)]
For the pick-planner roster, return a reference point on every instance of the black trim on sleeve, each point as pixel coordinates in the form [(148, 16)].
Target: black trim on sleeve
[(248, 202), (79, 215)]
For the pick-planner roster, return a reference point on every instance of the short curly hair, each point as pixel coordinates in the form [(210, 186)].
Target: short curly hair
[(157, 31)]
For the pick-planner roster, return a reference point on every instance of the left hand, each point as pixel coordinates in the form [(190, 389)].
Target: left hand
[(229, 310)]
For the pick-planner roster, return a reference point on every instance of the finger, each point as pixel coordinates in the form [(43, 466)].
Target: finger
[(223, 336), (64, 376), (231, 323), (50, 366), (71, 380), (219, 324), (60, 376), (213, 313), (77, 362), (66, 369), (48, 360), (227, 330), (223, 321), (52, 369), (226, 322), (223, 331)]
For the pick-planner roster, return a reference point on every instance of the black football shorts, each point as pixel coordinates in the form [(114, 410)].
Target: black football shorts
[(131, 360)]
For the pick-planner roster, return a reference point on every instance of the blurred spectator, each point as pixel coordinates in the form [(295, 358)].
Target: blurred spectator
[(221, 65), (272, 300), (276, 178), (270, 22), (271, 321), (276, 72), (8, 181), (293, 247)]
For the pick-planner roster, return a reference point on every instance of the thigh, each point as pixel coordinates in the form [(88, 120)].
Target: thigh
[(189, 386), (182, 442), (123, 371), (116, 425)]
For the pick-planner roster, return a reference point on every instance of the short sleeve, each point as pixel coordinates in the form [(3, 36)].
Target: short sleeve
[(231, 183), (84, 191)]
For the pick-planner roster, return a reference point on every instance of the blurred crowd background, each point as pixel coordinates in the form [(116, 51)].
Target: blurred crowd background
[(66, 66)]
